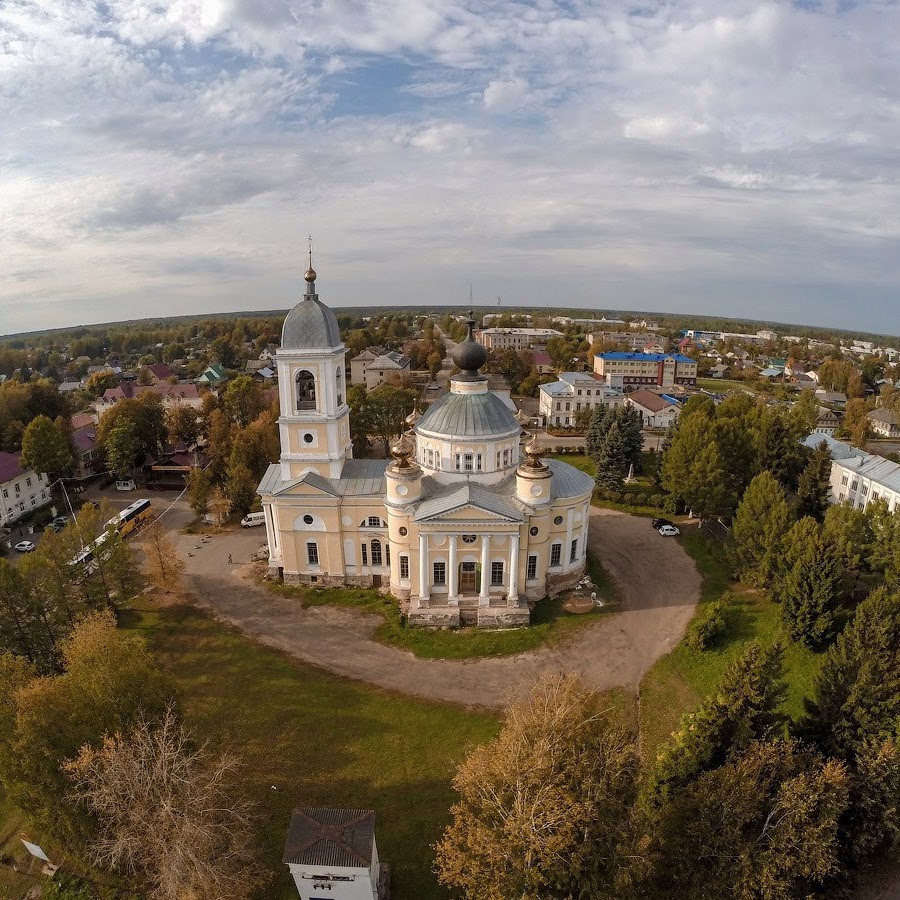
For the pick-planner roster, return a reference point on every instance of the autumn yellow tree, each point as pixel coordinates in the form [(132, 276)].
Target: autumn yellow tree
[(163, 566), (545, 807)]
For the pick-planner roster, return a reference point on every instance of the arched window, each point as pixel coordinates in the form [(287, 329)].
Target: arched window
[(306, 390), (338, 374), (376, 552)]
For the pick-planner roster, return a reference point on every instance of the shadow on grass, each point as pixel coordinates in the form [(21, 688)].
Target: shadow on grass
[(308, 738)]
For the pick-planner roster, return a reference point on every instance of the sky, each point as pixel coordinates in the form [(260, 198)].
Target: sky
[(170, 158)]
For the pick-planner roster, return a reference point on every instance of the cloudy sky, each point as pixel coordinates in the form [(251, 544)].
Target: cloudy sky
[(163, 158)]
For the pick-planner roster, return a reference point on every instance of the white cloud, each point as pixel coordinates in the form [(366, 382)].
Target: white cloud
[(688, 155)]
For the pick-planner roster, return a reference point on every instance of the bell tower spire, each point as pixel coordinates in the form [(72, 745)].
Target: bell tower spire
[(310, 275)]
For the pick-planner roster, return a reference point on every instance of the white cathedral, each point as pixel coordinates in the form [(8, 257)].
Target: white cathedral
[(460, 527)]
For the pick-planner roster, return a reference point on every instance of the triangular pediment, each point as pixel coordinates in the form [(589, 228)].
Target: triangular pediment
[(307, 485)]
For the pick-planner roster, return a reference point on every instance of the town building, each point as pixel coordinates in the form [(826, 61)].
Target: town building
[(857, 477), (657, 410), (883, 422), (561, 401), (172, 395), (827, 422), (542, 363), (459, 526), (213, 376), (515, 338), (332, 853), (374, 366), (629, 340), (21, 489), (631, 371)]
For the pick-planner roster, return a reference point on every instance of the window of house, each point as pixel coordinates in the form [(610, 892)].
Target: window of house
[(573, 552), (376, 552), (306, 389), (506, 457), (387, 554), (478, 462), (404, 567), (365, 555), (864, 490), (845, 478), (469, 538), (18, 489), (27, 482), (374, 522), (498, 459), (5, 494), (531, 568), (312, 553), (458, 460), (854, 484), (440, 573), (568, 407), (555, 554), (496, 573), (468, 462)]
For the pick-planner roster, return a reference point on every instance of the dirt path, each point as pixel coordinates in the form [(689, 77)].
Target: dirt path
[(657, 582)]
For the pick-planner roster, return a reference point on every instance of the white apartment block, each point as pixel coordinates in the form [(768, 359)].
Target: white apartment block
[(515, 338), (561, 401), (21, 490), (859, 478)]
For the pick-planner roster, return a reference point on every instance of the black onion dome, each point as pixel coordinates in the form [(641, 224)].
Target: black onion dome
[(468, 355)]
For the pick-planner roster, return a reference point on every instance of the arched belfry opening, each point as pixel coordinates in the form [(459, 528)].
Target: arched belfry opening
[(306, 389)]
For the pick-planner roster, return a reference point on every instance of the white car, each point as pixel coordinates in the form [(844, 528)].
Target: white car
[(25, 546), (668, 530)]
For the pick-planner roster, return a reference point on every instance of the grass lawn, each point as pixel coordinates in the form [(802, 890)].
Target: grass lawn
[(678, 681), (550, 623), (319, 740), (720, 385)]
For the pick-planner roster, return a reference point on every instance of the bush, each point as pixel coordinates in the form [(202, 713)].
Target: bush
[(707, 625)]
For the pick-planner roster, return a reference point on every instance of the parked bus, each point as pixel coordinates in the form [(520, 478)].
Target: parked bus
[(86, 561), (133, 516)]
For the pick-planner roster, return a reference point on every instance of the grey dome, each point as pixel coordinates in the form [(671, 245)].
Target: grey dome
[(468, 415), (468, 355), (310, 325)]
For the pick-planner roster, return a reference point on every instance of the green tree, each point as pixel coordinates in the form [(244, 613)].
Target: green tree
[(763, 825), (612, 460), (240, 488), (809, 590), (849, 531), (814, 485), (243, 400), (885, 547), (759, 526), (544, 807), (856, 692), (123, 447), (779, 449), (109, 680), (694, 432), (705, 492), (386, 410), (855, 425), (29, 625), (744, 708), (597, 429), (44, 448), (183, 425), (199, 485)]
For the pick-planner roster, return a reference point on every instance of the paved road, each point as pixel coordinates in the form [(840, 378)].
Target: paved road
[(657, 581)]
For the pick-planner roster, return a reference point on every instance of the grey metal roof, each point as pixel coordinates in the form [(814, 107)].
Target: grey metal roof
[(468, 415), (359, 478), (310, 325), (362, 477), (839, 449), (321, 836), (569, 481), (469, 494), (877, 469)]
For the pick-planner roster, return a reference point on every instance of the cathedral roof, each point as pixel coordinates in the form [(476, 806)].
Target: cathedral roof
[(467, 416), (310, 325)]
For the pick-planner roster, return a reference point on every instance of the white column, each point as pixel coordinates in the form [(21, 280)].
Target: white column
[(423, 568), (270, 534), (484, 598), (513, 595), (453, 598), (567, 547)]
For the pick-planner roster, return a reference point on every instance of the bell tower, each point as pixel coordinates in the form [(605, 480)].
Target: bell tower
[(314, 424)]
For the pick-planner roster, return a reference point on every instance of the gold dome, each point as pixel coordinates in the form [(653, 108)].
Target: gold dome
[(310, 275)]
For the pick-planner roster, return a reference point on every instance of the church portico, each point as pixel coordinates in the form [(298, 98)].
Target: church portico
[(463, 525)]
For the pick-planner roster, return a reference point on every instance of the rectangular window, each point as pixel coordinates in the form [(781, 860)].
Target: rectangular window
[(555, 554), (864, 490), (404, 567), (496, 573), (573, 553), (506, 455), (498, 459), (531, 569), (27, 482), (387, 554), (365, 555), (468, 461), (478, 462), (374, 521), (312, 553), (458, 462), (5, 494), (18, 489), (440, 573), (854, 484), (376, 553), (845, 478)]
